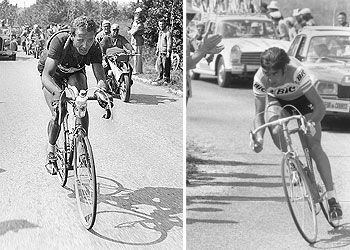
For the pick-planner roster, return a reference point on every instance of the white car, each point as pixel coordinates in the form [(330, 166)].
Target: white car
[(245, 37)]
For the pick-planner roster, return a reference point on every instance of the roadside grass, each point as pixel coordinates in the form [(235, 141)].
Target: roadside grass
[(150, 73)]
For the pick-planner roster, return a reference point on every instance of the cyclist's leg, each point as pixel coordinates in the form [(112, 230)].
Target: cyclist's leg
[(324, 168), (54, 126), (274, 112), (319, 156), (80, 82)]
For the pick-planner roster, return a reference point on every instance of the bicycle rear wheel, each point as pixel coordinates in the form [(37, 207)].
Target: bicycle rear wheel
[(299, 199), (175, 61), (85, 180), (62, 154)]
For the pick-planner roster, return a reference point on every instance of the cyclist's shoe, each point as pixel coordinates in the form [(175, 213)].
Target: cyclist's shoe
[(335, 211), (50, 161)]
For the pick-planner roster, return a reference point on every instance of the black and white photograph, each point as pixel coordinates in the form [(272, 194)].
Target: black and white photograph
[(91, 124), (267, 124)]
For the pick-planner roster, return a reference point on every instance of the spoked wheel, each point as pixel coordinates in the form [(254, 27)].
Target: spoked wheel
[(62, 153), (299, 199), (175, 61), (124, 90), (112, 85), (85, 181)]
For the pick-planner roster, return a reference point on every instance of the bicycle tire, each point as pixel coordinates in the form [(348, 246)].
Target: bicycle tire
[(62, 147), (125, 89), (175, 61), (302, 222), (84, 166)]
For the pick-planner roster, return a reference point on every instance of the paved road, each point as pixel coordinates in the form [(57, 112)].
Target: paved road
[(236, 200), (138, 156)]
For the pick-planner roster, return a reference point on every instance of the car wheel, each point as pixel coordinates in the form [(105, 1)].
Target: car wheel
[(195, 76), (223, 77)]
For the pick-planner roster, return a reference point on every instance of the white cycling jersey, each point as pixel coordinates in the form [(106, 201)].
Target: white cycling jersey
[(295, 84)]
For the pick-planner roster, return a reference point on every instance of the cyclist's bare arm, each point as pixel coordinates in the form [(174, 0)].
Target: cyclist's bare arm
[(99, 75), (129, 47), (318, 105), (47, 81), (259, 115)]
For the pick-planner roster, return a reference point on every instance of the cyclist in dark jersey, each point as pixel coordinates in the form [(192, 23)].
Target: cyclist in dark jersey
[(82, 50), (279, 81)]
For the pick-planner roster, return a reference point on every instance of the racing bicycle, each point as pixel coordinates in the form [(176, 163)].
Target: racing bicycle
[(303, 188), (74, 152)]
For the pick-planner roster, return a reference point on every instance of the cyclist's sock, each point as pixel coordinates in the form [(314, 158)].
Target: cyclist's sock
[(51, 148), (331, 194)]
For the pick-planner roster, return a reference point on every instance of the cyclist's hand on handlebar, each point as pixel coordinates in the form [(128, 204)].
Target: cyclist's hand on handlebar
[(311, 128)]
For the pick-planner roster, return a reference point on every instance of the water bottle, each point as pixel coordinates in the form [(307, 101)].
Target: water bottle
[(80, 104)]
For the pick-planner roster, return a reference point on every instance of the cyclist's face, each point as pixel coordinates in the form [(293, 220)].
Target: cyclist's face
[(83, 40), (107, 29), (275, 76), (341, 19)]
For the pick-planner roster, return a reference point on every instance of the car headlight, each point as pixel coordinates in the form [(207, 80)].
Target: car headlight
[(327, 88), (235, 56), (346, 79)]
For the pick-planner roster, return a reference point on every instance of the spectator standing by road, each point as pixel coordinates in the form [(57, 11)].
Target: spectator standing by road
[(307, 17), (291, 28), (298, 25), (281, 25), (163, 52), (137, 40), (342, 19), (106, 30), (272, 7)]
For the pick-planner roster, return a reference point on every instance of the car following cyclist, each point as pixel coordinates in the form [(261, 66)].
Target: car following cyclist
[(280, 81), (67, 55)]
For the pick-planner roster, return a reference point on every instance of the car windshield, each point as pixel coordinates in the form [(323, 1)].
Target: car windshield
[(246, 28), (328, 49)]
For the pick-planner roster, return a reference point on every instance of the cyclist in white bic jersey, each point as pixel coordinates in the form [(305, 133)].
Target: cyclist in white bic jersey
[(279, 81)]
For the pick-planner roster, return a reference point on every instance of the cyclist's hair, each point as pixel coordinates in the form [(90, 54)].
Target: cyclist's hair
[(274, 58), (342, 13), (85, 23)]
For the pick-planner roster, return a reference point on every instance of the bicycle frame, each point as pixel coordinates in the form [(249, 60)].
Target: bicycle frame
[(69, 143)]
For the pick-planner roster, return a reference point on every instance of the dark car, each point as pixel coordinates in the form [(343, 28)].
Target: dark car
[(8, 47), (324, 52)]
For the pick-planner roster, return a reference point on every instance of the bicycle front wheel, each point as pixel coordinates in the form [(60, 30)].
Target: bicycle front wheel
[(299, 199), (85, 180), (62, 155)]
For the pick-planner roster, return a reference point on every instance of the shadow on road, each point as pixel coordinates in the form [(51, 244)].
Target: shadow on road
[(198, 178), (196, 160), (15, 226), (192, 221), (236, 83), (340, 238), (143, 99), (148, 211)]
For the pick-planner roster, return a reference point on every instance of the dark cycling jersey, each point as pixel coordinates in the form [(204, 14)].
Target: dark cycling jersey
[(291, 91), (72, 61)]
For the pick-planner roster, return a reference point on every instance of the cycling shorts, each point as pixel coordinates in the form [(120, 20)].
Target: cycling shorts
[(301, 103)]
